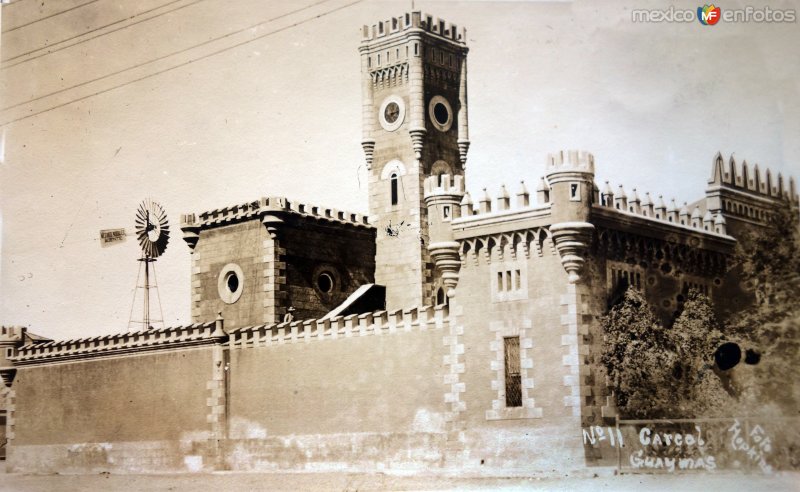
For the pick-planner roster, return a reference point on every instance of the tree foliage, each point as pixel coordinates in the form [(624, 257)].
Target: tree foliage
[(660, 372), (770, 267), (635, 354)]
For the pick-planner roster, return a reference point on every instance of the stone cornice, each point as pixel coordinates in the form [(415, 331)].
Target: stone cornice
[(120, 344), (660, 229), (354, 325), (273, 206), (743, 195), (505, 221)]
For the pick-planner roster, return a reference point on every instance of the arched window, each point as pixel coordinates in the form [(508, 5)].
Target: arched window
[(393, 185), (441, 298)]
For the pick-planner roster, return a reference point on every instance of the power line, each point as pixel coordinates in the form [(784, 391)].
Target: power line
[(50, 16), (318, 16), (138, 65), (95, 30), (10, 3)]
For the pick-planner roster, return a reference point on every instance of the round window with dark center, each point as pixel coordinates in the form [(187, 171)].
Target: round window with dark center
[(325, 282), (441, 113), (232, 281), (392, 112)]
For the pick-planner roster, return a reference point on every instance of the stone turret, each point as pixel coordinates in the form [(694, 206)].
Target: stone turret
[(443, 196), (571, 178), (11, 337)]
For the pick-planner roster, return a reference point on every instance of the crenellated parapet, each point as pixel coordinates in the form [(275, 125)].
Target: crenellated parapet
[(190, 226), (121, 343), (354, 325), (742, 177), (747, 194), (444, 185), (694, 216), (271, 211), (10, 335), (414, 20), (566, 161)]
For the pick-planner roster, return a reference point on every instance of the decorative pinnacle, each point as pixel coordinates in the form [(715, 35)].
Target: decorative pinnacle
[(503, 191), (672, 206), (523, 197), (542, 185)]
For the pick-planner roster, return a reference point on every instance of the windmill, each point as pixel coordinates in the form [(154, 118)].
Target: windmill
[(152, 232)]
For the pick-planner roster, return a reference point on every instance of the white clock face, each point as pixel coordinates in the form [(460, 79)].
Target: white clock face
[(392, 113), (440, 113)]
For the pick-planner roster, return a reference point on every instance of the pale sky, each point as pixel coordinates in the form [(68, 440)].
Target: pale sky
[(274, 109)]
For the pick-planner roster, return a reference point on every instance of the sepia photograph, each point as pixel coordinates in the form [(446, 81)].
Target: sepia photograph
[(399, 245)]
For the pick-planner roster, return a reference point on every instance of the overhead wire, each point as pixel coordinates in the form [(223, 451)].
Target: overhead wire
[(162, 57), (180, 65), (50, 16), (51, 51)]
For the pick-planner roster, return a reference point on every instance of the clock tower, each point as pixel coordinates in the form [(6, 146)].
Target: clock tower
[(414, 89)]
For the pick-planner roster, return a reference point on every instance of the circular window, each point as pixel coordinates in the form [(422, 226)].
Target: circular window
[(440, 113), (230, 283), (392, 113), (325, 282)]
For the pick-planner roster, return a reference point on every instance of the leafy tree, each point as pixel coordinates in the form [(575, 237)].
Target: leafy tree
[(769, 260), (635, 355), (695, 336), (657, 372)]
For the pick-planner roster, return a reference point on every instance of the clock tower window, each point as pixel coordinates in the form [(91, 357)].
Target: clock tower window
[(393, 187)]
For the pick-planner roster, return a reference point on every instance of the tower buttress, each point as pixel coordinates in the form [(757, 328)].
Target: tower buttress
[(414, 111)]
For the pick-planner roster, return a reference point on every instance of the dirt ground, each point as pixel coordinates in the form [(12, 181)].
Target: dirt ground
[(295, 482)]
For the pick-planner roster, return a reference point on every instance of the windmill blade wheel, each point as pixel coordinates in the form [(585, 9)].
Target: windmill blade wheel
[(152, 228)]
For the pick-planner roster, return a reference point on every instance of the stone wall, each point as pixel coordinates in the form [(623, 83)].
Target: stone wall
[(543, 433), (361, 395), (347, 256), (247, 245), (121, 414)]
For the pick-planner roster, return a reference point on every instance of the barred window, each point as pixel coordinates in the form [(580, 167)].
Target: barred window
[(513, 377), (622, 279)]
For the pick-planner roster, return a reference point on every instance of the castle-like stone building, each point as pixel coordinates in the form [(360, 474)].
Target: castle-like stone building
[(441, 332)]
